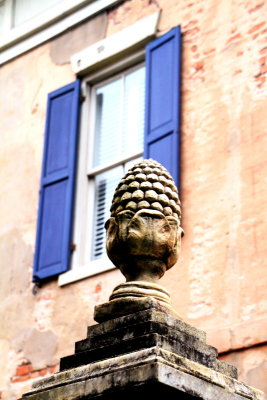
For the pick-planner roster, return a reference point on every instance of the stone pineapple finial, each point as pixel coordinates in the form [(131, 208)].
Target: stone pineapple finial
[(144, 232), (147, 185), (143, 239)]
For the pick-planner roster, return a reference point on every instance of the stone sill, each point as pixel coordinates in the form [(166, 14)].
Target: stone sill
[(85, 271)]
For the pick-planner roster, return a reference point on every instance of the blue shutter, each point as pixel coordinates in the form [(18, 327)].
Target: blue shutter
[(162, 113), (54, 226)]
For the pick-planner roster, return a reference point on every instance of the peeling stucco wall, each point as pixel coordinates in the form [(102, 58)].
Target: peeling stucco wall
[(251, 364), (220, 281)]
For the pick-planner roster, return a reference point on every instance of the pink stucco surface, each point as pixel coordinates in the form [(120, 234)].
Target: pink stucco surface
[(219, 283)]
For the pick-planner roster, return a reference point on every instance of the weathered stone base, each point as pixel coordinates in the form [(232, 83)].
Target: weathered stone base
[(147, 353), (150, 371)]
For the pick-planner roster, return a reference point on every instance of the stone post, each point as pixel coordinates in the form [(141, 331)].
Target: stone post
[(141, 348)]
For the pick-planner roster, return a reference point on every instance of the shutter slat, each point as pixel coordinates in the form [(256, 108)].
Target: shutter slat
[(162, 116), (54, 226)]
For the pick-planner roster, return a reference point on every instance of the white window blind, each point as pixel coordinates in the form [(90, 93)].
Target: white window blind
[(104, 189), (119, 133), (119, 118), (108, 123)]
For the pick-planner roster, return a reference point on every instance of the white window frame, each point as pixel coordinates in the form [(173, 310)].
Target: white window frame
[(85, 191), (55, 20), (81, 267)]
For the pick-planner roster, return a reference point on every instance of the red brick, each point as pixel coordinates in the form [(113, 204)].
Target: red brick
[(53, 369), (233, 38), (192, 31), (210, 51), (261, 79), (199, 65), (256, 8), (256, 27), (23, 369), (263, 51), (22, 378), (190, 24), (34, 374), (98, 288), (43, 371)]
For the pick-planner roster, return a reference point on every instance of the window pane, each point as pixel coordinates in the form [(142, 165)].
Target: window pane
[(26, 9), (119, 131), (131, 163), (108, 123), (134, 106), (2, 10), (119, 126), (105, 186)]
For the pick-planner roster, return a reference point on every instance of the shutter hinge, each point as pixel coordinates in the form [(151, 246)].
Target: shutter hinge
[(72, 247), (82, 97), (37, 285)]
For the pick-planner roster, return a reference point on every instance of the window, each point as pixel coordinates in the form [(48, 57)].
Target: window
[(118, 120), (2, 14), (23, 10), (111, 140), (127, 112), (25, 24)]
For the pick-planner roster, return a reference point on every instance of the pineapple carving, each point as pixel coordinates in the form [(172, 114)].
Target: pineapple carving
[(144, 232), (148, 185)]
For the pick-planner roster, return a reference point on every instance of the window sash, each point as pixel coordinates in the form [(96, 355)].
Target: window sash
[(122, 158), (81, 264), (24, 10), (107, 170)]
